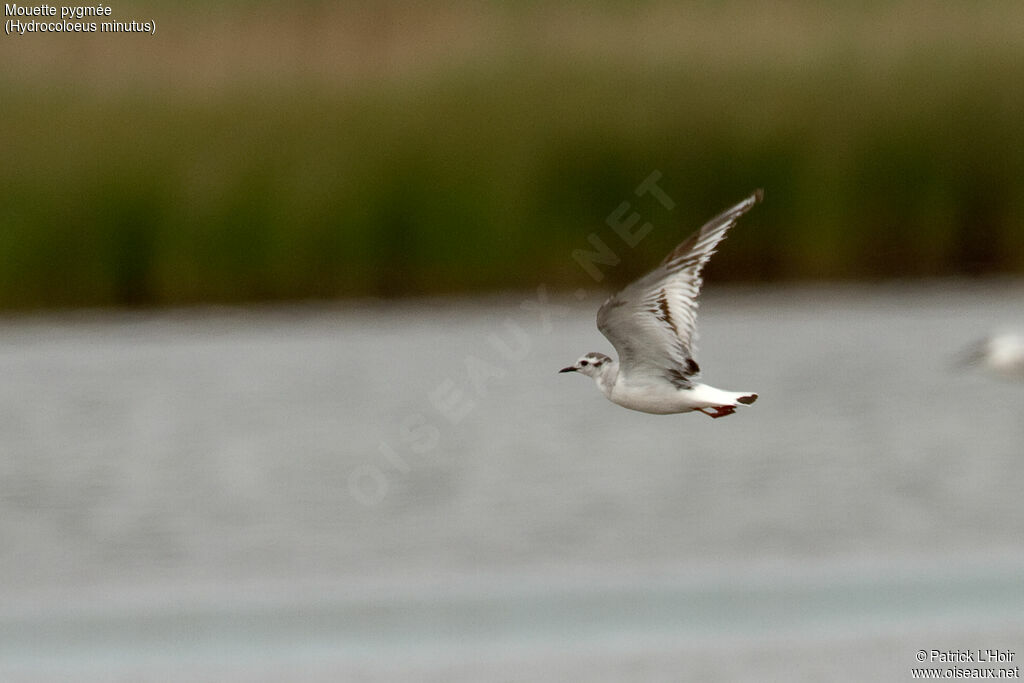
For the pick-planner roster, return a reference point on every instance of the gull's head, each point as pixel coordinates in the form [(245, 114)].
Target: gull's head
[(589, 364)]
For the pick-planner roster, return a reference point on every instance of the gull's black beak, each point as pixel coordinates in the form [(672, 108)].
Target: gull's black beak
[(568, 369)]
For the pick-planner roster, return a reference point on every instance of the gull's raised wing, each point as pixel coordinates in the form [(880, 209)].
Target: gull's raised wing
[(652, 323)]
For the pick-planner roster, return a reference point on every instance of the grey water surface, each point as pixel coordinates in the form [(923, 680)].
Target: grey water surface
[(411, 492)]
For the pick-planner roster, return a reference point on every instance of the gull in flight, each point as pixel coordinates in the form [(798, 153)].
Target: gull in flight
[(652, 324), (999, 354)]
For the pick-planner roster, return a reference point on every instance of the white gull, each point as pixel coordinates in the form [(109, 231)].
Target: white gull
[(999, 354), (652, 324)]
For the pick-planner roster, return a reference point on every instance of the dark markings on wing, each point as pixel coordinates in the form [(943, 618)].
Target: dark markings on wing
[(664, 314), (680, 377)]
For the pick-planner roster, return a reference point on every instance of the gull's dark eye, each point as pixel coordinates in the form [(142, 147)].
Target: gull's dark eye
[(583, 362)]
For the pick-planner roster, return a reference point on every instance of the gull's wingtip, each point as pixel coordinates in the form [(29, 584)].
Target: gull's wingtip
[(758, 195)]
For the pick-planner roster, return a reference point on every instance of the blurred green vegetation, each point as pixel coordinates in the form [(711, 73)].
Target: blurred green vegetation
[(276, 153)]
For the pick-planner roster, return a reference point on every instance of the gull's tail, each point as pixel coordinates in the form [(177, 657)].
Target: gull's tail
[(710, 397), (727, 402)]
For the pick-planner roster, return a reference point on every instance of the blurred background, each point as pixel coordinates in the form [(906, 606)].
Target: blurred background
[(285, 287)]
